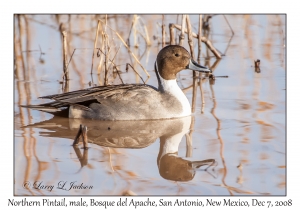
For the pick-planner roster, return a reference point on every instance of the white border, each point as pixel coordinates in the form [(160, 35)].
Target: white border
[(8, 8)]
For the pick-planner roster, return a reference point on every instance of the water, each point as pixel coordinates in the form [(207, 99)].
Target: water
[(239, 132)]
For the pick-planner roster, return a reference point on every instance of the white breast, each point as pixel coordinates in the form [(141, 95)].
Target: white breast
[(171, 86)]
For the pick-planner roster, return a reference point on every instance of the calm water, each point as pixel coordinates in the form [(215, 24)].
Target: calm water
[(239, 131)]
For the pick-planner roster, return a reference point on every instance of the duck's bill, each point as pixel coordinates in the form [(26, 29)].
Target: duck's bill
[(196, 67), (200, 163)]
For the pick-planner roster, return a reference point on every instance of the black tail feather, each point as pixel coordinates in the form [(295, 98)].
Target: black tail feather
[(62, 112)]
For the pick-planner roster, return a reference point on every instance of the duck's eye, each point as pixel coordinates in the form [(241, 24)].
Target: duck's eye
[(177, 55)]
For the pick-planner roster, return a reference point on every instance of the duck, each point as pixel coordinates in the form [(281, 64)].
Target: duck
[(131, 101)]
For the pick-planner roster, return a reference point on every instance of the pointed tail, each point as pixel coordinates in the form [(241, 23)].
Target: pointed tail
[(61, 111)]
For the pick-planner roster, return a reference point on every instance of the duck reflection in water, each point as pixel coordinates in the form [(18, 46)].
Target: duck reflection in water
[(132, 135)]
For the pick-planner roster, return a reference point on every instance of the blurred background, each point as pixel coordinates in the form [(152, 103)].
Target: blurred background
[(239, 117)]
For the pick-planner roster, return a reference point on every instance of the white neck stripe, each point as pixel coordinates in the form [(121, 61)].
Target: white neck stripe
[(171, 87)]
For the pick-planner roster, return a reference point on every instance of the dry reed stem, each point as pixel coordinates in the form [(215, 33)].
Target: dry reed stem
[(115, 66), (216, 63), (189, 141), (127, 64), (101, 58), (195, 84), (190, 35), (135, 43), (128, 39), (228, 45), (203, 39), (133, 27), (114, 56), (122, 40), (172, 33), (206, 21), (163, 32), (65, 59), (181, 36), (147, 38), (70, 46), (117, 70), (194, 100), (232, 32), (71, 58), (190, 42), (95, 44), (184, 90), (199, 37), (202, 94), (137, 20), (65, 86), (106, 55)]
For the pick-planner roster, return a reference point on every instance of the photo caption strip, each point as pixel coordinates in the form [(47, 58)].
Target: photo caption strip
[(155, 202)]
